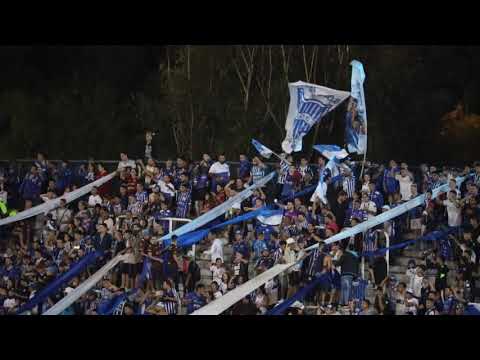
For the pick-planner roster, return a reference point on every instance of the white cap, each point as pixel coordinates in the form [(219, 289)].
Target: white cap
[(386, 207), (290, 241), (68, 290)]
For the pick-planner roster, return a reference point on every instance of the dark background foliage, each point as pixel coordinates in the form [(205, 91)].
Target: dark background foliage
[(79, 101)]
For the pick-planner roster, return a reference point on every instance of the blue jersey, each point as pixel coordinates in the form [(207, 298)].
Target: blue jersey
[(242, 248), (31, 187), (244, 170), (377, 198), (168, 171), (200, 182), (288, 188), (183, 204), (390, 183), (142, 196), (266, 229), (258, 247), (163, 214), (65, 177), (195, 302), (258, 172)]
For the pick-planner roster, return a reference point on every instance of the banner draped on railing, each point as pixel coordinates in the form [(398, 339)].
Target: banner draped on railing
[(219, 210), (53, 287), (54, 203)]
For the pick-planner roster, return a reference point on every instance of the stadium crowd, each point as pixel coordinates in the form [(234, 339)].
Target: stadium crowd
[(126, 216)]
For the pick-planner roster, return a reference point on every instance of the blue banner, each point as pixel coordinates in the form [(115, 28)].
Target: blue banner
[(196, 236), (356, 117), (53, 287)]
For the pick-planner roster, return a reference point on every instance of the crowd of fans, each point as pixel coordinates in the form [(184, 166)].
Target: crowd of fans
[(126, 216)]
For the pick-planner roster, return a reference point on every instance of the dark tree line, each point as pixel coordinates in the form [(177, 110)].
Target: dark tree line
[(80, 101)]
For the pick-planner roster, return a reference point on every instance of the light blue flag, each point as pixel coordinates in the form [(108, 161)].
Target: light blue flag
[(262, 149), (356, 117), (331, 151), (308, 104)]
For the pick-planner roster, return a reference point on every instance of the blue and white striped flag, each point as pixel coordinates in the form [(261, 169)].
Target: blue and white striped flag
[(308, 104), (356, 117), (262, 149), (331, 151)]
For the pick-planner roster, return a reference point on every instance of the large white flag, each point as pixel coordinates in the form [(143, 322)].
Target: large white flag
[(308, 104)]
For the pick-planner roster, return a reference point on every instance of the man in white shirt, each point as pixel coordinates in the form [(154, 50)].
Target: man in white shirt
[(405, 181), (216, 250), (368, 206), (94, 198), (125, 162), (452, 186), (62, 215), (454, 209), (166, 186), (411, 303), (219, 172)]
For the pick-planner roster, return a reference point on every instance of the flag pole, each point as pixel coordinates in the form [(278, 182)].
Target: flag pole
[(365, 153), (280, 158)]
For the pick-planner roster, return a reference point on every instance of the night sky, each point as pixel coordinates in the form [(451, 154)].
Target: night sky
[(80, 101)]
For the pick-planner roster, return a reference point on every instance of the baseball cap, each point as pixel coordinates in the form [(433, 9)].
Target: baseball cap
[(410, 291), (385, 207), (290, 241)]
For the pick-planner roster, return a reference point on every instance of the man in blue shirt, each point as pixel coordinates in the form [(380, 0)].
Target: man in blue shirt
[(244, 169), (65, 177), (376, 196), (31, 185), (141, 195), (390, 183), (195, 300), (259, 245), (239, 245)]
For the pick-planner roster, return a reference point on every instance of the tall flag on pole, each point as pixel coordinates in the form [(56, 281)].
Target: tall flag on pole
[(308, 104), (356, 118), (262, 149)]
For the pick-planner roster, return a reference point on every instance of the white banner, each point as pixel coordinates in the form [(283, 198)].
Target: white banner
[(308, 104), (54, 203)]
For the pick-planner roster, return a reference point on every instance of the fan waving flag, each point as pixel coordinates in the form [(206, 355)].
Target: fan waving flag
[(330, 151), (321, 190), (262, 149), (356, 117), (308, 104)]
